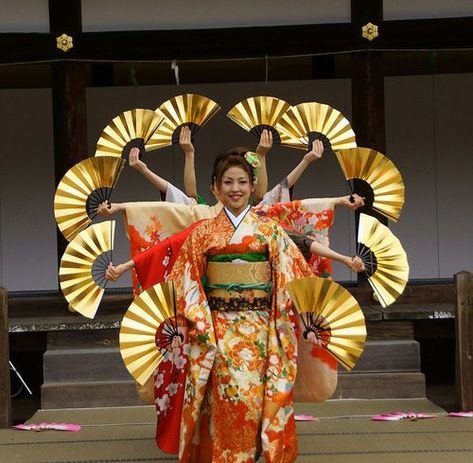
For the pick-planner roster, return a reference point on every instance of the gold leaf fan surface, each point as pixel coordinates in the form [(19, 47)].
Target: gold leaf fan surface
[(130, 129), (300, 125), (81, 190), (258, 113), (83, 265), (332, 314), (152, 310), (189, 109), (386, 262), (383, 179)]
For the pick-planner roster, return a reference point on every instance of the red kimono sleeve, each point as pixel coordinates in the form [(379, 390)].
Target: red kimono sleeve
[(155, 264)]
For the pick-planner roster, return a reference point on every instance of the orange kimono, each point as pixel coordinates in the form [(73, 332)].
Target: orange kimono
[(242, 362)]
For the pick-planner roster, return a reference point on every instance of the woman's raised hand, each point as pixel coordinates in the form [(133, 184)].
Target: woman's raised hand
[(185, 140), (135, 161), (316, 152), (265, 142)]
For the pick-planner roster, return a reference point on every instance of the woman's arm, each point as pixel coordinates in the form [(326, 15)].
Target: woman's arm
[(353, 201), (264, 145), (190, 183), (114, 272), (311, 156), (355, 264), (142, 168)]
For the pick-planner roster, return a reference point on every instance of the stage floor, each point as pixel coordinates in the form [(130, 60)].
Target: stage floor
[(344, 433)]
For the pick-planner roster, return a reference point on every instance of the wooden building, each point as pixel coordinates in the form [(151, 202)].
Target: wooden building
[(406, 91)]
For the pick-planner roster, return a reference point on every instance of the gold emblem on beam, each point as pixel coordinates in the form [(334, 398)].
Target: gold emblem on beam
[(370, 31), (64, 42)]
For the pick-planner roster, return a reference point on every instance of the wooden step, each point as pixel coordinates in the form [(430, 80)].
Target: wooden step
[(379, 385), (103, 364), (79, 394), (389, 355)]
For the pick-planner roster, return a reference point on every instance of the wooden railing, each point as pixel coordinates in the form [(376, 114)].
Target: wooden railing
[(5, 394), (464, 340)]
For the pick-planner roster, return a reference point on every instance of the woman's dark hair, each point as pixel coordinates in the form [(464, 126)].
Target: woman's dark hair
[(234, 157)]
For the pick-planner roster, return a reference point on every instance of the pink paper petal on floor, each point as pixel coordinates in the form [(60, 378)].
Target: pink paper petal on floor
[(396, 416), (49, 427), (461, 414), (305, 418)]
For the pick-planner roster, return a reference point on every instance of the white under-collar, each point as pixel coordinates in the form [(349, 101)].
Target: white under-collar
[(236, 220)]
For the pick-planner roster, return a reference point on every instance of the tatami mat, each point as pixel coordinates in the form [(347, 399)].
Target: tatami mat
[(344, 433)]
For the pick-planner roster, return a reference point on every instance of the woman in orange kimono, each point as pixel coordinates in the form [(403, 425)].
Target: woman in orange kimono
[(230, 277)]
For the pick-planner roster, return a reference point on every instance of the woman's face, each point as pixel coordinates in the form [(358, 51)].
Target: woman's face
[(234, 189)]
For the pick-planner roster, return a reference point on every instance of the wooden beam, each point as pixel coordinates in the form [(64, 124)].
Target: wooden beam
[(5, 392), (419, 34), (464, 340), (367, 82)]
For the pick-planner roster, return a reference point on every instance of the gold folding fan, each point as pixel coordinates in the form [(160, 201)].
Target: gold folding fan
[(332, 314), (149, 325), (384, 258), (300, 125), (189, 110), (131, 129), (259, 113), (376, 178), (79, 193), (83, 265)]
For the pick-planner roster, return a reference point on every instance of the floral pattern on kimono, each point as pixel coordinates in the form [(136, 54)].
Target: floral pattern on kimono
[(242, 365), (312, 218)]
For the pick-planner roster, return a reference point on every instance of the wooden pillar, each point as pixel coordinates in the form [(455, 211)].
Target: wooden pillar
[(464, 340), (69, 96), (367, 90), (5, 393), (367, 81)]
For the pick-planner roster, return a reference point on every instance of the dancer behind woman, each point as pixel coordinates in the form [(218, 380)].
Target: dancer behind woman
[(318, 254), (154, 264)]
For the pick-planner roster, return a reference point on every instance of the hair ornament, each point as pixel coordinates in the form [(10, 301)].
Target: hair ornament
[(252, 159)]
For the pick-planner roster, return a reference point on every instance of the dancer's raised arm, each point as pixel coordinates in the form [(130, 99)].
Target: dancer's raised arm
[(313, 155), (185, 142), (264, 145), (353, 201), (355, 264), (143, 169)]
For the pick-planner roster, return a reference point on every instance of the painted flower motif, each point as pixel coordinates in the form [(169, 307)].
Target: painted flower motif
[(245, 355), (231, 391), (166, 261), (179, 362), (247, 329), (154, 229), (159, 380), (162, 403), (172, 388)]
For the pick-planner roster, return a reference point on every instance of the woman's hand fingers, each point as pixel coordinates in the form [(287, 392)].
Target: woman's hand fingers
[(356, 264), (113, 272), (104, 209)]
